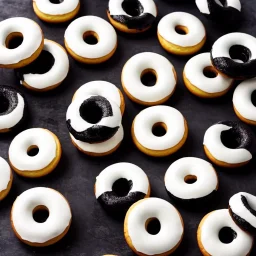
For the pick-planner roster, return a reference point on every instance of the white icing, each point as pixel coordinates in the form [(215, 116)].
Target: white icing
[(115, 7), (101, 147), (39, 137), (10, 120), (194, 73), (170, 233), (67, 6), (212, 140), (5, 174), (146, 119), (32, 39), (30, 230), (106, 33), (166, 28), (79, 124), (131, 77), (242, 99), (210, 229), (56, 74), (101, 88), (114, 172), (207, 180)]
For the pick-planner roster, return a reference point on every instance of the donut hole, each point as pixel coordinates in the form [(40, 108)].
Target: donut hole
[(148, 77), (159, 129), (33, 150), (91, 37), (13, 40), (181, 30), (91, 112), (56, 1), (240, 53), (132, 7), (253, 98), (230, 139), (227, 235), (40, 213), (221, 2), (210, 72), (190, 179), (121, 187), (4, 104), (153, 226)]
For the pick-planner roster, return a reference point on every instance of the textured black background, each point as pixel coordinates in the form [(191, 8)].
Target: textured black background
[(93, 232)]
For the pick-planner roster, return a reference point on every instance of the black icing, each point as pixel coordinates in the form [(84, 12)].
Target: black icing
[(96, 133)]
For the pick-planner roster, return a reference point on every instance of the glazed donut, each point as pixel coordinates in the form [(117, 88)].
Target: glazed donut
[(180, 175), (137, 185), (45, 159), (94, 26), (170, 119), (40, 234), (209, 236), (48, 70), (149, 62), (229, 144), (6, 178), (196, 79), (30, 48), (56, 11), (137, 219), (242, 210), (132, 16), (242, 101), (93, 119), (12, 109), (234, 55), (181, 33), (104, 89)]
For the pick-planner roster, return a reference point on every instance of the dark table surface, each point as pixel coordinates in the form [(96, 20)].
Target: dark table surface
[(92, 231)]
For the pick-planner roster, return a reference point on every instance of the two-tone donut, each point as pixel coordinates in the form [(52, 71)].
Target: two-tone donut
[(6, 178)]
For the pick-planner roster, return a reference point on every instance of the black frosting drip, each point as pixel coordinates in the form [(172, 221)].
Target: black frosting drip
[(247, 206)]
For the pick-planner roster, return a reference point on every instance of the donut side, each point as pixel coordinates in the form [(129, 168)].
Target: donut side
[(6, 191)]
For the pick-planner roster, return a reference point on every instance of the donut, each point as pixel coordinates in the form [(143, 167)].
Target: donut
[(143, 63), (21, 41), (34, 153), (54, 228), (243, 101), (48, 70), (203, 80), (132, 16), (136, 227), (218, 234), (13, 109), (134, 186), (6, 178), (229, 144), (234, 55), (191, 180), (181, 33), (85, 27), (104, 89), (167, 118), (242, 210), (56, 11)]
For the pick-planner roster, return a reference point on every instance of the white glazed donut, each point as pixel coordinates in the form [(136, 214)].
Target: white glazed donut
[(40, 234), (83, 52), (170, 119), (188, 168), (6, 178), (166, 240), (242, 101), (201, 85), (147, 62), (30, 48), (31, 76), (208, 236)]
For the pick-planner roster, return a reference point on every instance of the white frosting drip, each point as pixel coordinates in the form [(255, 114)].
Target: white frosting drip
[(170, 233), (212, 140), (131, 77), (207, 180), (114, 172), (64, 7), (5, 174), (39, 137), (242, 99), (146, 119), (56, 74), (10, 120), (194, 73), (210, 229), (106, 33), (32, 39), (166, 28), (32, 231)]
